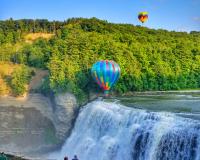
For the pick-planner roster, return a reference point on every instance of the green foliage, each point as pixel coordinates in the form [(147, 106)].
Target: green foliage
[(20, 77), (57, 81), (3, 157), (35, 55), (149, 59), (45, 88)]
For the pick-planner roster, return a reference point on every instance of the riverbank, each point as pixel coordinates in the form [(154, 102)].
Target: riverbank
[(187, 91)]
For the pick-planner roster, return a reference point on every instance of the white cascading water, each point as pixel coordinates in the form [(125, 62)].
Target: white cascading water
[(109, 131)]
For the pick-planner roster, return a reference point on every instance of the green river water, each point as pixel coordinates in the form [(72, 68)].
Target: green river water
[(186, 104)]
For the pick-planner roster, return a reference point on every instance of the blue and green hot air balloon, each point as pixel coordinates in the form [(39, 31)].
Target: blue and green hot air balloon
[(105, 73)]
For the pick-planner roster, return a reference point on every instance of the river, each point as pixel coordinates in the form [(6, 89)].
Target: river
[(142, 127)]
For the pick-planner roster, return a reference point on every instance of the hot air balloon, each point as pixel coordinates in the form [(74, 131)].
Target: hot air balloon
[(105, 73), (143, 16)]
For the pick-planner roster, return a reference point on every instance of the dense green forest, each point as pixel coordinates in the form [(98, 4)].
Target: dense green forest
[(149, 59)]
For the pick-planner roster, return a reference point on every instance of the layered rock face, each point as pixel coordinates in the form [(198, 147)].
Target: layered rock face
[(64, 115), (35, 124)]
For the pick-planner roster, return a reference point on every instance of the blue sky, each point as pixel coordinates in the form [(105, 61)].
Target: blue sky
[(179, 15)]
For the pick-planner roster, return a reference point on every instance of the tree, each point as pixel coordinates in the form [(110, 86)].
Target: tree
[(20, 77), (149, 59)]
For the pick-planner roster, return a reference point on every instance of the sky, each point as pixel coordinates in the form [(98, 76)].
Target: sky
[(178, 15)]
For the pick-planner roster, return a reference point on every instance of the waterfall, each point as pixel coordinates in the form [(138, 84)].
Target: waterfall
[(109, 131)]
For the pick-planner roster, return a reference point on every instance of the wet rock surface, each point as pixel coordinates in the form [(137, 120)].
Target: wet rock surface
[(34, 124), (65, 113)]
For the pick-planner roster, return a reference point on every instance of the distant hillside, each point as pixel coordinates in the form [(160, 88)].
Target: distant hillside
[(149, 59)]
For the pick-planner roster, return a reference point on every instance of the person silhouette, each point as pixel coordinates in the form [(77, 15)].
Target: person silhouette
[(75, 157), (65, 158)]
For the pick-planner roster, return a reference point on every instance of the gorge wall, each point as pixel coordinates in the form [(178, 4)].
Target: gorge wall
[(35, 124)]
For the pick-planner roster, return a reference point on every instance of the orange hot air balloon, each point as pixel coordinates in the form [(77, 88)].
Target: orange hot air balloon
[(143, 16)]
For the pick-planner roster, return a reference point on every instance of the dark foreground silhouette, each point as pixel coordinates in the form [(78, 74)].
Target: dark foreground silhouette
[(75, 158)]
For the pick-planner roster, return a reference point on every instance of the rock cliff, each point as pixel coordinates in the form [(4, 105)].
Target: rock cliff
[(35, 123)]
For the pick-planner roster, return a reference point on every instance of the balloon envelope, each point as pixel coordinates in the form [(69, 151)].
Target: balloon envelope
[(143, 16), (105, 73)]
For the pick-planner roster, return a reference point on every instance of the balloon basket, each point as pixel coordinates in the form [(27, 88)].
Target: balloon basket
[(106, 93)]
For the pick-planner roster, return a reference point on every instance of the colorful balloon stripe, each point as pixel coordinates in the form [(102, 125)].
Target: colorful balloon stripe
[(105, 73)]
